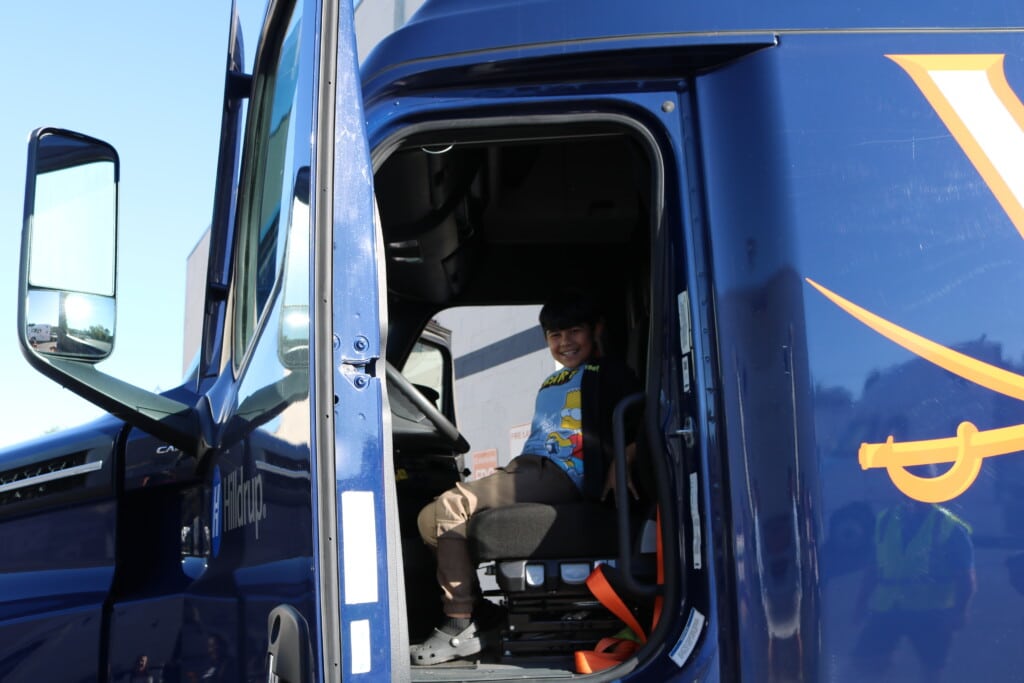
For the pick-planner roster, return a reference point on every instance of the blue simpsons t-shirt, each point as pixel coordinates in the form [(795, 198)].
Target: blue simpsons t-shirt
[(557, 429)]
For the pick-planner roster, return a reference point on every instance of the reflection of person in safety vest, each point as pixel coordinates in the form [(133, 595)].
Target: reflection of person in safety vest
[(918, 587)]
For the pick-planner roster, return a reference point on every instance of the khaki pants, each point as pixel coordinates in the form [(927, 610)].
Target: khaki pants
[(442, 523)]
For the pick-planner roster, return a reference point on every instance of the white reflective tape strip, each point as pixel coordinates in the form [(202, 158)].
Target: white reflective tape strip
[(698, 560), (359, 646), (359, 546), (685, 331), (688, 640)]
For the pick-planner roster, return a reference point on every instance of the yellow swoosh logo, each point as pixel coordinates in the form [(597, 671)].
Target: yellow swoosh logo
[(968, 448), (972, 369)]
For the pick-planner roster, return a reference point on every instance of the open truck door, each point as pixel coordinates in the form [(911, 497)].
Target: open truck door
[(232, 528)]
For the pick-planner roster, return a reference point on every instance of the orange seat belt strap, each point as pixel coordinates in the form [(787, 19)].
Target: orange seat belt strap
[(606, 595), (611, 651)]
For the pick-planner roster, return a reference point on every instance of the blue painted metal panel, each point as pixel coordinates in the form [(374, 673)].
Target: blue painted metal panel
[(364, 555), (56, 571), (824, 160), (56, 644), (502, 29), (57, 558)]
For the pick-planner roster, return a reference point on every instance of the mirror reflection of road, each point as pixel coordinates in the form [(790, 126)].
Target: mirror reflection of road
[(74, 343), (80, 346), (100, 348)]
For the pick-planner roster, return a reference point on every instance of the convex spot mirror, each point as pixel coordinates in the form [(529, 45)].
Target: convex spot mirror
[(68, 246)]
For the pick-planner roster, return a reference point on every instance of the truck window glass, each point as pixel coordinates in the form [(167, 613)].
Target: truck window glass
[(266, 202), (425, 368)]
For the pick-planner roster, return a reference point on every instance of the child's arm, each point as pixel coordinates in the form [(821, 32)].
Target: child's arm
[(609, 480)]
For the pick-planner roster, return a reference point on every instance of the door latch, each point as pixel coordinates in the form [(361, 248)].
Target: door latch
[(688, 432), (288, 648)]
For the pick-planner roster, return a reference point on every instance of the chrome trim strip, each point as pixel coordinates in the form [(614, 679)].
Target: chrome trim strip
[(53, 476)]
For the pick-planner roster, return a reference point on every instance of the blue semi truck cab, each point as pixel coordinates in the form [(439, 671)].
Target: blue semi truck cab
[(804, 223)]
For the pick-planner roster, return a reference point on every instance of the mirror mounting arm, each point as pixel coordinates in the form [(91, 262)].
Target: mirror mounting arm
[(172, 421), (239, 85), (215, 291)]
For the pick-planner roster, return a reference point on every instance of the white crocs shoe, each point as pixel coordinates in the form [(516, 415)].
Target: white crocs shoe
[(444, 647)]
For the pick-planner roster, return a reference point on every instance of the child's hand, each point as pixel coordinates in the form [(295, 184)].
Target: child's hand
[(609, 480), (609, 484)]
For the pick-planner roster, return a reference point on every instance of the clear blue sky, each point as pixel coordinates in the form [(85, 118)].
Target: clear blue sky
[(147, 78)]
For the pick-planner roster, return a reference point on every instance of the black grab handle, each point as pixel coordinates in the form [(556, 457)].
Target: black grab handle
[(625, 560)]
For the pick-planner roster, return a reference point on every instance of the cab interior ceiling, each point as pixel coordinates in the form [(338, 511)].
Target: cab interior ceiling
[(509, 216)]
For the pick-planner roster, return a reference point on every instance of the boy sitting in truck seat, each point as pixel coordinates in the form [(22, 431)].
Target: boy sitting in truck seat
[(568, 456)]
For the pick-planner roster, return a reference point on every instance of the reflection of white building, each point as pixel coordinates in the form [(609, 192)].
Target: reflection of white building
[(500, 360), (195, 275), (500, 357), (375, 19)]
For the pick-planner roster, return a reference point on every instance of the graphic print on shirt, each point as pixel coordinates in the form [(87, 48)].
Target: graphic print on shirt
[(572, 412), (557, 429)]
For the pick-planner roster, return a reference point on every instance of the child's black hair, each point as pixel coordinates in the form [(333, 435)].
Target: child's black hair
[(568, 308)]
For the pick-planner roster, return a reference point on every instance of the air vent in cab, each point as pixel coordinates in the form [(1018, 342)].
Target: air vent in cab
[(57, 475)]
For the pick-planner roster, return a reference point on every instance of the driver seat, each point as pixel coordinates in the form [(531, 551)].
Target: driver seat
[(540, 556)]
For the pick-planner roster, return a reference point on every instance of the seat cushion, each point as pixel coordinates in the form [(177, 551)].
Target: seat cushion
[(536, 530)]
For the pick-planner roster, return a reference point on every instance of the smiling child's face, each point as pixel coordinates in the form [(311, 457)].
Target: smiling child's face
[(574, 345)]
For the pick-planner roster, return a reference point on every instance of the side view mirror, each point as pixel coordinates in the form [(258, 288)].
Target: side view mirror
[(66, 284), (69, 247)]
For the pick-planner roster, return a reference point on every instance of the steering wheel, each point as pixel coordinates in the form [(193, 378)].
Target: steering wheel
[(429, 410)]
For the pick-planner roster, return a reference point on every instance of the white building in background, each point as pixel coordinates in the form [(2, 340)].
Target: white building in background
[(500, 361), (499, 355)]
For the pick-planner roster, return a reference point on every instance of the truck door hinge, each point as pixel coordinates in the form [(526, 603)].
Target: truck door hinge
[(358, 372)]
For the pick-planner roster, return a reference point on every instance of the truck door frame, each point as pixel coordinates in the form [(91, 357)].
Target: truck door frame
[(358, 563)]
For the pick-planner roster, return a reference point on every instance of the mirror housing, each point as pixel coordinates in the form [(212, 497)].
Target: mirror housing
[(66, 284), (69, 259)]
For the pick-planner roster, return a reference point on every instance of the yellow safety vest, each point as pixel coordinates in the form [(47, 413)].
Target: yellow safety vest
[(907, 577)]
